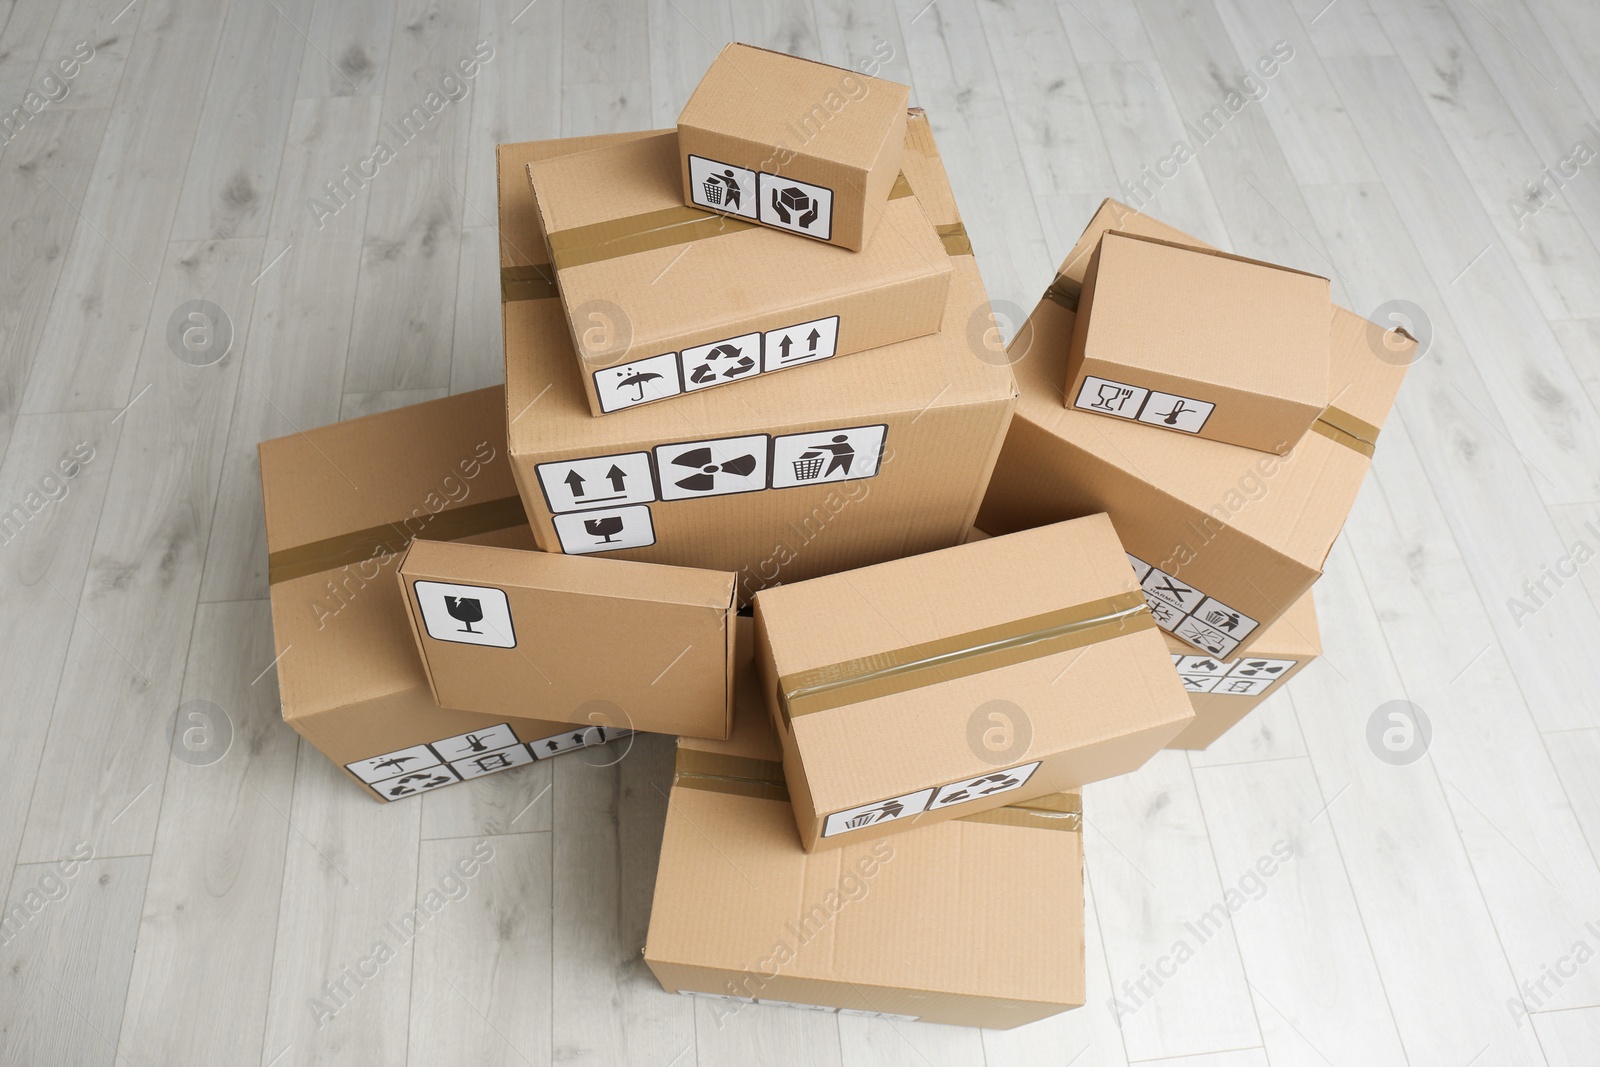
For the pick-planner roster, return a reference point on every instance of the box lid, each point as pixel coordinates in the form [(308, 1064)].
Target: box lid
[(766, 97)]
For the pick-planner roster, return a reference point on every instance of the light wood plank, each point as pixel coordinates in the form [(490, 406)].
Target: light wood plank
[(885, 1043), (605, 68), (783, 25), (684, 38), (518, 802), (759, 1034), (1300, 934), (124, 667), (356, 405), (218, 864), (516, 96), (1269, 732), (1155, 882), (109, 30), (66, 971), (1569, 1038), (1244, 1057), (349, 55), (477, 355), (481, 980)]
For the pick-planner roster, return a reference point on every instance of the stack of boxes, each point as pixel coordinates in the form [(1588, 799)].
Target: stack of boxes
[(745, 375)]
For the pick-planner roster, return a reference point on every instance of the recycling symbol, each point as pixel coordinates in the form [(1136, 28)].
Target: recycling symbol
[(735, 363)]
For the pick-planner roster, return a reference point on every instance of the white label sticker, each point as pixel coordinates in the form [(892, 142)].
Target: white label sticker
[(793, 1004), (475, 743), (1164, 587), (880, 1015), (804, 342), (409, 785), (576, 484), (1141, 569), (393, 764), (826, 456), (1215, 613), (1200, 635), (721, 362), (1110, 398), (1198, 683), (492, 762), (607, 530), (1176, 412), (638, 381), (692, 469), (881, 811), (1243, 687), (722, 186), (1271, 669), (984, 785), (466, 614), (1204, 665), (577, 737), (797, 206)]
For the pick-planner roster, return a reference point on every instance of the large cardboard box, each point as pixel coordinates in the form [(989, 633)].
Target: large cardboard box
[(664, 300), (598, 642), (937, 685), (1225, 538), (342, 503), (1224, 691), (792, 143), (977, 921), (923, 421), (1200, 342)]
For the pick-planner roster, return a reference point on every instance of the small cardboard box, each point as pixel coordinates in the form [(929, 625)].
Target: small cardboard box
[(1224, 691), (342, 503), (664, 300), (1225, 538), (923, 420), (792, 143), (938, 685), (601, 642), (976, 921), (1200, 342)]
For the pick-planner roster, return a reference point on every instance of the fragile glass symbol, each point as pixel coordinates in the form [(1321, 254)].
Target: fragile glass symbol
[(606, 527), (465, 609)]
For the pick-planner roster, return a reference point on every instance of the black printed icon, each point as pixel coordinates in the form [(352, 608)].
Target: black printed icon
[(722, 190), (785, 345), (638, 380), (475, 743), (1254, 667), (396, 763), (466, 610), (988, 785), (794, 207), (1240, 685), (1197, 684), (1173, 589), (889, 809), (706, 479), (416, 783), (1111, 397), (606, 528), (737, 364), (494, 761), (1179, 409), (578, 486), (842, 454), (1208, 665), (1223, 620)]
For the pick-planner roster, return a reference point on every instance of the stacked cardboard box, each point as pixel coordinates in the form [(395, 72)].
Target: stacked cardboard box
[(875, 806)]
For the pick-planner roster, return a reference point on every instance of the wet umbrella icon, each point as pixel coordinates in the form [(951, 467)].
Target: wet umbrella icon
[(637, 381)]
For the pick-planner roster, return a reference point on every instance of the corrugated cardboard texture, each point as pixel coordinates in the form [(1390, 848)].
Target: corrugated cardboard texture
[(1092, 712), (778, 114), (965, 922), (737, 281), (1250, 529), (1248, 337), (595, 641), (1286, 645), (944, 401)]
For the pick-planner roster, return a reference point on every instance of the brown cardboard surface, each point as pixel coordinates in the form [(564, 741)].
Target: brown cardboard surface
[(349, 678), (596, 642), (1201, 342), (1096, 705), (973, 921), (645, 279), (1248, 530), (761, 114), (940, 404)]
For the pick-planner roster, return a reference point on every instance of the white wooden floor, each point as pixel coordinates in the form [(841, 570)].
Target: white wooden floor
[(1446, 911)]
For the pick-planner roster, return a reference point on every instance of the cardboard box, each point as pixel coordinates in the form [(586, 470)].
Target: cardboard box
[(342, 503), (937, 685), (1224, 691), (1200, 342), (976, 921), (924, 419), (599, 642), (792, 143), (664, 300), (1225, 538)]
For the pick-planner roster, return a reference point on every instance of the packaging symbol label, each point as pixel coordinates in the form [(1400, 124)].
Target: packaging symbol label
[(804, 342), (722, 186), (421, 768), (796, 206), (1124, 401), (826, 456), (721, 362), (466, 614), (882, 811), (638, 381), (692, 469), (1190, 615), (606, 530), (580, 484)]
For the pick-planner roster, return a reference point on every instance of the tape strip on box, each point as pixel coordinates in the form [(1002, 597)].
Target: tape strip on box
[(391, 538)]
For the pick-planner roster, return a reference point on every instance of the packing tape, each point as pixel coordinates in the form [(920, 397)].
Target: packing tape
[(527, 283), (392, 538), (615, 238), (1344, 428), (904, 669), (746, 776), (954, 238), (1064, 291)]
